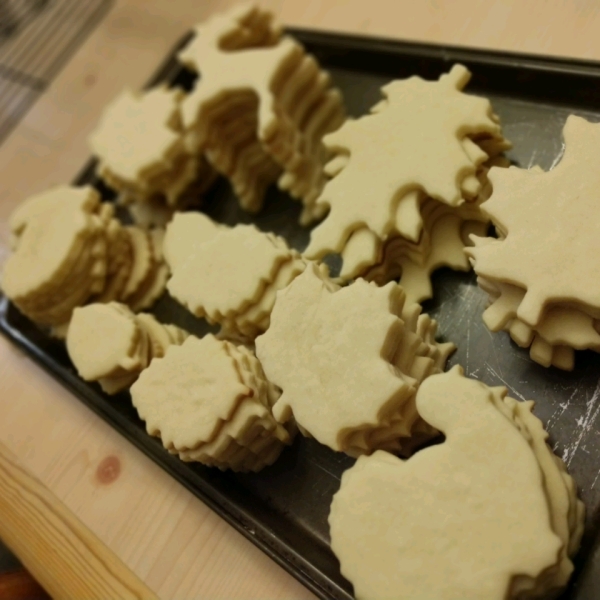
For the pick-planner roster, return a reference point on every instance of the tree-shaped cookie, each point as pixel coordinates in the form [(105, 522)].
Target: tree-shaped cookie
[(543, 261), (348, 361), (489, 513), (261, 105)]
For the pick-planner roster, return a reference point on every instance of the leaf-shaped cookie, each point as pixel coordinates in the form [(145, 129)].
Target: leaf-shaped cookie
[(548, 220), (419, 138), (261, 105)]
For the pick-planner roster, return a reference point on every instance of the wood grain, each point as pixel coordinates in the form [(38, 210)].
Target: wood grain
[(173, 542), (61, 553)]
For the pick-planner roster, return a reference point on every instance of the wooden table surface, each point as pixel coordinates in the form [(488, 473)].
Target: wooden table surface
[(171, 541)]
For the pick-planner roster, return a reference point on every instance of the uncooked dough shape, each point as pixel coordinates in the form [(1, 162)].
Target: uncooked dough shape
[(225, 272), (549, 224), (183, 233), (346, 361), (458, 521), (136, 135), (413, 141), (282, 102)]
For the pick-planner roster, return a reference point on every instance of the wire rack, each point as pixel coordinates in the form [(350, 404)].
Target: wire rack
[(37, 37)]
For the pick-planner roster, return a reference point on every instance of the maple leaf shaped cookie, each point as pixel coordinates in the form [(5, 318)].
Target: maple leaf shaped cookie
[(419, 138), (550, 235), (486, 514)]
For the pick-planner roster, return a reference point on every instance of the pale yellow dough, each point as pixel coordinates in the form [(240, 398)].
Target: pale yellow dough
[(415, 140), (348, 361), (183, 233), (472, 518), (260, 108), (209, 402), (228, 275), (544, 288), (135, 135), (110, 344)]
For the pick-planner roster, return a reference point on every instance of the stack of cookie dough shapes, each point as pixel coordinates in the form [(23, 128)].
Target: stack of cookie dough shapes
[(209, 402), (140, 147), (110, 344), (68, 250), (260, 108), (148, 272), (231, 276), (489, 513), (59, 257), (541, 274), (349, 361), (406, 182)]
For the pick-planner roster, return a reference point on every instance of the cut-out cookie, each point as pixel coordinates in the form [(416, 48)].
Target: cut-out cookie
[(348, 361), (183, 233), (423, 137), (140, 147), (489, 513), (68, 250), (231, 274), (262, 106), (110, 344), (60, 253), (561, 331), (209, 402), (443, 238), (546, 240)]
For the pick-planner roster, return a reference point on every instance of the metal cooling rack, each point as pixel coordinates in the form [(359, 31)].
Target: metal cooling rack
[(37, 37)]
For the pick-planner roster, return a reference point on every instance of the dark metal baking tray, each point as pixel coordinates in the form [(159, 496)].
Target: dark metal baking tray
[(283, 509)]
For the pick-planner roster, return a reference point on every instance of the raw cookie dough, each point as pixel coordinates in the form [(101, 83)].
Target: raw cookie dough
[(209, 402), (260, 107), (140, 146), (489, 513), (110, 344), (183, 233), (230, 275), (349, 361), (422, 153), (544, 287), (69, 250), (59, 254)]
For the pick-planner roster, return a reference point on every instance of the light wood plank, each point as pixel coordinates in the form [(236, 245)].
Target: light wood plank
[(61, 553)]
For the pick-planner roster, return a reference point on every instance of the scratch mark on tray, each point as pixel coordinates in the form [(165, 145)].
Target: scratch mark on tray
[(584, 424), (320, 466), (501, 377), (468, 344), (558, 157), (562, 407), (595, 479)]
